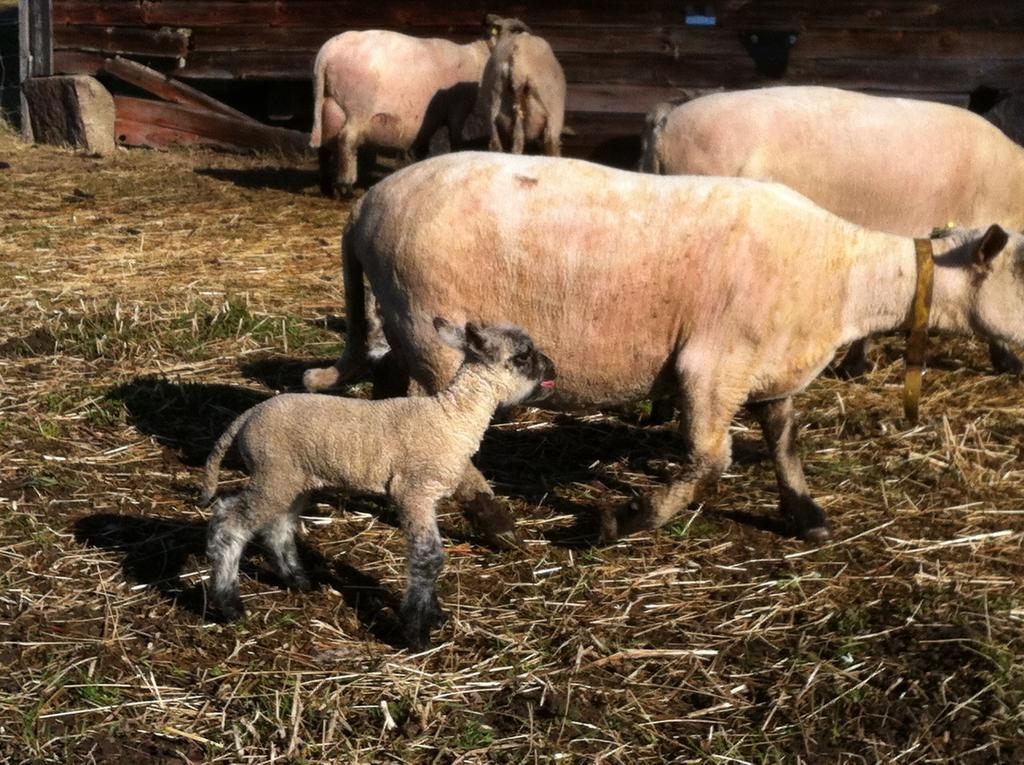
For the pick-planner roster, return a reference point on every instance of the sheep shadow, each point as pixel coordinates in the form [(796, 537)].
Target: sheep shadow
[(185, 417), (155, 552), (289, 179)]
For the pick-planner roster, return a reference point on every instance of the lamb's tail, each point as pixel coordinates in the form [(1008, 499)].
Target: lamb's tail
[(355, 360), (650, 158), (217, 456), (319, 83)]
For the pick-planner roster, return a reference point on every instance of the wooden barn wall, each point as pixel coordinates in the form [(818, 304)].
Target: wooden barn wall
[(619, 57)]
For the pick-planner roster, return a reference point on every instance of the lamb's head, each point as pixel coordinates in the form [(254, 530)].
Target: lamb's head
[(995, 260), (506, 351)]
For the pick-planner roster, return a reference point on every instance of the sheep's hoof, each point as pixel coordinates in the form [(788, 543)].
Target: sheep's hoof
[(493, 522), (853, 369), (1005, 361), (618, 522), (807, 519), (817, 535)]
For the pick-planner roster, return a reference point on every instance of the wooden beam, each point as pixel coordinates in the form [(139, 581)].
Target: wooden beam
[(169, 89), (35, 44), (141, 122), (159, 42)]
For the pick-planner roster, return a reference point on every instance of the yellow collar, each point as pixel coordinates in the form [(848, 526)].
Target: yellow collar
[(918, 328)]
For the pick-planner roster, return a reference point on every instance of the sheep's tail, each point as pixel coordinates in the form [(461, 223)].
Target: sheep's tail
[(217, 456), (355, 359), (650, 158), (319, 84)]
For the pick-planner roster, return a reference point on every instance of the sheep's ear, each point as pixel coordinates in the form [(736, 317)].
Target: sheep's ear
[(478, 344), (991, 244), (514, 26), (450, 334)]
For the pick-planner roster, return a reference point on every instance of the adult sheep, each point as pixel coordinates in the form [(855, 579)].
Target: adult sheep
[(892, 164), (722, 292), (387, 90), (522, 92)]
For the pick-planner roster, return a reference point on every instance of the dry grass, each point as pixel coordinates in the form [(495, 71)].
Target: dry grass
[(149, 297)]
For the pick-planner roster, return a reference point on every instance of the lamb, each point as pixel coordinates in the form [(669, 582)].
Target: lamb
[(721, 292), (522, 92), (414, 450), (890, 164)]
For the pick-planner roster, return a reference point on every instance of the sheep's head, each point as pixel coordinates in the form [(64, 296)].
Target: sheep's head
[(498, 26), (506, 349)]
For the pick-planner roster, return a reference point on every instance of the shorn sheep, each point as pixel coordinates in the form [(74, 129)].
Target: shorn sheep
[(414, 450)]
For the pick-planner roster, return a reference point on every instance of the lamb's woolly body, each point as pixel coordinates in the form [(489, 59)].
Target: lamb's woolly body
[(718, 291), (414, 450)]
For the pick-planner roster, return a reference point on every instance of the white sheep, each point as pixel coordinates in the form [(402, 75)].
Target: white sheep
[(414, 450)]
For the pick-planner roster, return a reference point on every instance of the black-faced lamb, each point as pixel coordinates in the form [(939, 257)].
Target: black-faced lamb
[(414, 450)]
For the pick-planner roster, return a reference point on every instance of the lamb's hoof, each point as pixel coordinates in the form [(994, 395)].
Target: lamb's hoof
[(493, 523), (231, 609), (319, 379), (418, 623), (1004, 361), (298, 583)]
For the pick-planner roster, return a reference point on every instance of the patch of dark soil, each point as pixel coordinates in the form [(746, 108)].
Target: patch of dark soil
[(38, 342)]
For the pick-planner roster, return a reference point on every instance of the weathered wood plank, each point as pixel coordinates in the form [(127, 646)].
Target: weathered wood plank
[(161, 41), (170, 89), (205, 125), (873, 14)]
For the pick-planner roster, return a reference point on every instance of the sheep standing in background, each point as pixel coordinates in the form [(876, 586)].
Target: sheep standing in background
[(383, 89), (890, 164), (414, 450), (522, 92)]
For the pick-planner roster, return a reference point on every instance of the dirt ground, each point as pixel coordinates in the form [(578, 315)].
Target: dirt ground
[(147, 298)]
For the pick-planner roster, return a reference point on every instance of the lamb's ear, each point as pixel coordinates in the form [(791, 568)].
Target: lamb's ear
[(515, 26), (450, 334), (478, 344), (991, 244)]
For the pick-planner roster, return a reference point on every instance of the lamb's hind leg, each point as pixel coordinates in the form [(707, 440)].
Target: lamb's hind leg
[(706, 410), (421, 611), (805, 517), (228, 534), (279, 538)]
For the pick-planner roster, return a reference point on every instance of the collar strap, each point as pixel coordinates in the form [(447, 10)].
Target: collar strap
[(918, 337)]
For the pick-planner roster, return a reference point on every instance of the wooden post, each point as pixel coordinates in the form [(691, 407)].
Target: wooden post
[(35, 43)]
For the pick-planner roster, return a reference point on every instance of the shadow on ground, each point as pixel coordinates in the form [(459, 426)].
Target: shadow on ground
[(291, 179), (156, 551)]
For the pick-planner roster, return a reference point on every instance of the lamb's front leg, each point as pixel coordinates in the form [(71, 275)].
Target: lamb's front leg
[(804, 515), (488, 517), (420, 610)]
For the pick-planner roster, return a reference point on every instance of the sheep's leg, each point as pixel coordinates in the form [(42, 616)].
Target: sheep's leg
[(804, 515), (228, 534), (495, 142), (348, 163), (420, 610), (856, 362), (519, 119), (705, 414), (552, 142), (1004, 360), (279, 537), (327, 154)]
